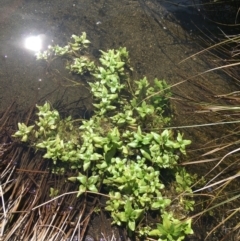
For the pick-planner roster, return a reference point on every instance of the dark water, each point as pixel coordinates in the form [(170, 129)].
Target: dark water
[(157, 37)]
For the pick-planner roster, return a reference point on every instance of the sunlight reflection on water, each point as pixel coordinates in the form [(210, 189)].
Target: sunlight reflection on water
[(33, 43)]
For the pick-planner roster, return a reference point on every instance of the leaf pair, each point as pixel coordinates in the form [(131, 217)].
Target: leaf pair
[(87, 183)]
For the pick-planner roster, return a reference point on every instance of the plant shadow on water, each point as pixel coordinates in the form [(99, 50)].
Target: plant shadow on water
[(153, 36)]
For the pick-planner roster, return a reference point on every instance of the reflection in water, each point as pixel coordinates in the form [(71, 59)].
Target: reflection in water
[(33, 43)]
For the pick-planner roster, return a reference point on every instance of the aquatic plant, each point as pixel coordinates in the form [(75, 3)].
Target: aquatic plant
[(120, 151)]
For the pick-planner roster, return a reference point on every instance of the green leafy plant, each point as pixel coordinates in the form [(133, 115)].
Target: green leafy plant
[(121, 150), (23, 131), (171, 229), (87, 183), (53, 192)]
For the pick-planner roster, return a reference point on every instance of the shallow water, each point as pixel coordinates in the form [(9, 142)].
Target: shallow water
[(158, 35), (152, 31)]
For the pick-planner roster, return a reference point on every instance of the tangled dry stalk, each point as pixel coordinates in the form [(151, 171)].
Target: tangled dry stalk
[(27, 212)]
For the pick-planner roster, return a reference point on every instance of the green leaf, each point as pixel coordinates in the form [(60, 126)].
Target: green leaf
[(24, 138), (128, 207), (137, 213), (157, 137), (103, 165), (133, 144), (99, 140), (147, 139), (145, 154), (96, 157), (53, 192), (82, 178), (162, 203), (154, 233), (93, 179), (165, 134), (86, 165), (92, 188), (131, 225), (72, 179), (82, 189), (122, 217), (172, 144)]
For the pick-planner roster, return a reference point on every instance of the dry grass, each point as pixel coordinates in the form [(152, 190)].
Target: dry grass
[(27, 212), (218, 200)]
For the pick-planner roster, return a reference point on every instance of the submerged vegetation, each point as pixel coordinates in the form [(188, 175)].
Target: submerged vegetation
[(120, 152)]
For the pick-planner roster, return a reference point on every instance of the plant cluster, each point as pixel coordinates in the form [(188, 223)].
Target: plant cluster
[(120, 150)]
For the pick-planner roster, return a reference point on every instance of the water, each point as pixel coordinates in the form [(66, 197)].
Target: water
[(154, 36), (158, 35)]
